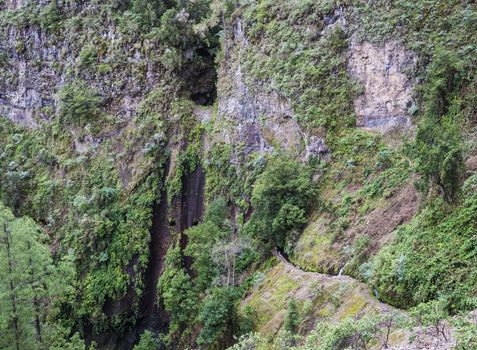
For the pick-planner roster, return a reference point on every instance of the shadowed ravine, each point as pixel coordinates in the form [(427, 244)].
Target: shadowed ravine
[(186, 210), (152, 317), (167, 221)]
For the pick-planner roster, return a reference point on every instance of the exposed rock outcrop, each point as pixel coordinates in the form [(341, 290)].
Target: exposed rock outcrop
[(116, 63), (253, 118), (384, 73)]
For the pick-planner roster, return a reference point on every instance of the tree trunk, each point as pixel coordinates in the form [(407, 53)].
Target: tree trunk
[(12, 288), (228, 267), (233, 269), (388, 331), (35, 300)]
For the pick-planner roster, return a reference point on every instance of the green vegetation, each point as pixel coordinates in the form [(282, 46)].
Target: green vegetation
[(210, 296), (125, 111), (293, 317), (175, 289), (203, 239), (33, 288), (147, 342), (283, 196), (98, 177), (78, 104), (369, 330), (438, 144), (306, 66), (219, 319), (430, 258)]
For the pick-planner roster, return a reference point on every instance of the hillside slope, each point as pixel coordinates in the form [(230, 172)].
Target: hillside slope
[(238, 174)]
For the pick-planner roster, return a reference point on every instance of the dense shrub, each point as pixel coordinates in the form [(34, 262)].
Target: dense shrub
[(78, 103), (147, 342), (203, 238), (438, 144), (282, 198), (219, 318), (148, 12), (175, 289)]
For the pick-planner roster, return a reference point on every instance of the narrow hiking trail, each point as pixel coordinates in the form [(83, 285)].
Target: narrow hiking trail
[(328, 280), (338, 297)]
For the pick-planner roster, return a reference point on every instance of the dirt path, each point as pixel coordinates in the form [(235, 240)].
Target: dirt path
[(327, 280), (317, 275), (424, 338)]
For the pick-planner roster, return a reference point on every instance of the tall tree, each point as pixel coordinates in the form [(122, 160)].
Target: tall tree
[(11, 288), (30, 284)]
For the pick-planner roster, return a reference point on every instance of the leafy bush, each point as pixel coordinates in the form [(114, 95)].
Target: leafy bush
[(250, 341), (87, 56), (175, 289), (349, 333), (433, 314), (465, 332), (202, 239), (148, 12), (51, 17), (219, 317), (282, 198), (78, 103), (219, 252), (147, 342)]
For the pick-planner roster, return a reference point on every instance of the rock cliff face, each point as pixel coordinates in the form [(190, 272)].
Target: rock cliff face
[(258, 120), (386, 75), (252, 118), (115, 60), (43, 62)]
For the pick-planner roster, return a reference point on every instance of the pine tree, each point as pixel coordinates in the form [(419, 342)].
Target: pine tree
[(30, 283), (12, 289)]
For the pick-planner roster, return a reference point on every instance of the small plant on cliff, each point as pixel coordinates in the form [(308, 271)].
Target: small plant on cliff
[(289, 336), (148, 12), (148, 342), (78, 103), (51, 17), (293, 317)]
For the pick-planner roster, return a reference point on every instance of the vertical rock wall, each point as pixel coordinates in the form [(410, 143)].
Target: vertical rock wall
[(385, 74)]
